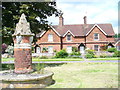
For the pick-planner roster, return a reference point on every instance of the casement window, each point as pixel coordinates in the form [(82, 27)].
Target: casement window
[(50, 37), (96, 47), (50, 49), (69, 49), (96, 36), (69, 37)]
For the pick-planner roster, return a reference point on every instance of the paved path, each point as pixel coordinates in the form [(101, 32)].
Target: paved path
[(100, 61)]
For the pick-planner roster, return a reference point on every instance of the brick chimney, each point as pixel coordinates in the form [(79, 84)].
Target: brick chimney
[(85, 19), (61, 20)]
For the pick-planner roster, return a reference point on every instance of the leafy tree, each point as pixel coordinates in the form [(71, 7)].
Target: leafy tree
[(117, 35), (11, 12)]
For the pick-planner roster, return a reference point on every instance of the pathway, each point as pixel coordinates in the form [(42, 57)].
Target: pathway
[(100, 61)]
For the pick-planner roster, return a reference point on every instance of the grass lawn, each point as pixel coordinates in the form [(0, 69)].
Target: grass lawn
[(63, 59), (85, 75)]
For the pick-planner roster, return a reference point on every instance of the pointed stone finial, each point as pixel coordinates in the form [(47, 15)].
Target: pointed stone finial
[(22, 19), (22, 27)]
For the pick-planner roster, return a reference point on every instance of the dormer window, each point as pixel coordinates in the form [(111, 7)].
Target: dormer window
[(69, 37), (96, 36), (50, 38)]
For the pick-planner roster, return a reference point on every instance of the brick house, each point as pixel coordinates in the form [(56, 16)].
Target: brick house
[(81, 36)]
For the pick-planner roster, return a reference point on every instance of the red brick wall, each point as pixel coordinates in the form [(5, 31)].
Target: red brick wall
[(74, 39), (44, 38), (102, 36)]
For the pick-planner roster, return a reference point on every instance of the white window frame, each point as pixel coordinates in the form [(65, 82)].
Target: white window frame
[(67, 38), (94, 36), (67, 49), (98, 47), (50, 39)]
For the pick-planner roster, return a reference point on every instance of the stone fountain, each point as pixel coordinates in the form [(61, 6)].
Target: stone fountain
[(24, 76)]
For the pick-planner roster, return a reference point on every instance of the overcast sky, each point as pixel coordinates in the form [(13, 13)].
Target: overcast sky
[(97, 11)]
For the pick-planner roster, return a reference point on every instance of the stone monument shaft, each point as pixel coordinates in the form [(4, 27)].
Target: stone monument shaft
[(22, 38)]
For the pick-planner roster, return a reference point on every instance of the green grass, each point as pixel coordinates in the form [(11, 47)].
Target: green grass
[(63, 59), (85, 75)]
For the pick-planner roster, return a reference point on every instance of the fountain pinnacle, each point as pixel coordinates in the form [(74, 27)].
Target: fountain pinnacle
[(22, 38)]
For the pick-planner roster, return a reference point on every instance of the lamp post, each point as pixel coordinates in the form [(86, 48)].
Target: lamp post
[(22, 38)]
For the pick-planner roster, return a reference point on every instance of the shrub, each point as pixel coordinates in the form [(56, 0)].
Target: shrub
[(90, 54), (74, 49), (43, 57), (111, 50), (45, 49), (61, 54), (4, 47), (75, 53), (103, 56), (116, 54)]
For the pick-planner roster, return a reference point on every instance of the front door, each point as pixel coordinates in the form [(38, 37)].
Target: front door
[(82, 49), (37, 49), (50, 49)]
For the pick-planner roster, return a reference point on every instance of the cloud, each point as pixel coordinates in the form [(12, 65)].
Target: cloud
[(97, 11)]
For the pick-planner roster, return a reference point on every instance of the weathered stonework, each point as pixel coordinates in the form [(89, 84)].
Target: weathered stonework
[(23, 38)]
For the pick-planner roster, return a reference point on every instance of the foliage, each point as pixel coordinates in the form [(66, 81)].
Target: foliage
[(43, 57), (40, 68), (111, 50), (4, 47), (10, 49), (117, 35), (61, 54), (75, 53), (11, 12), (90, 54), (74, 49), (103, 56), (45, 49), (116, 54)]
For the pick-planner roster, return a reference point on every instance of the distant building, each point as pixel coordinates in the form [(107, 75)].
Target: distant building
[(90, 36)]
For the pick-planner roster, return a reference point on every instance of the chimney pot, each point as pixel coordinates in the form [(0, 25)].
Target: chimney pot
[(61, 20), (85, 19)]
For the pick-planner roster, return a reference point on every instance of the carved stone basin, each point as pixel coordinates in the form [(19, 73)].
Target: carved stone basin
[(33, 80)]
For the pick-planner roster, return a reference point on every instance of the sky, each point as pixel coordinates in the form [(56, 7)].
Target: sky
[(97, 11)]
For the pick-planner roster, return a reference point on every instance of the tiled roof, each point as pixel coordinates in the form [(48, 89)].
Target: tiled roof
[(82, 29)]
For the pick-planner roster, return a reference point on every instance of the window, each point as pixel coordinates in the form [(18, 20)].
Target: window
[(50, 37), (96, 36), (50, 49), (96, 47), (69, 38), (69, 49)]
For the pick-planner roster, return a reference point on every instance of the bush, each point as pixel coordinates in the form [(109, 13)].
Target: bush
[(103, 56), (116, 54), (90, 54), (4, 47), (111, 50), (61, 54), (74, 49), (43, 57), (75, 53)]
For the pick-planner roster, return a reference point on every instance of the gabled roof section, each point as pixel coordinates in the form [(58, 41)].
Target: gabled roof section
[(68, 32), (81, 29), (97, 27), (43, 32), (76, 30)]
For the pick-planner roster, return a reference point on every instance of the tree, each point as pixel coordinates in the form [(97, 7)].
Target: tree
[(11, 12)]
